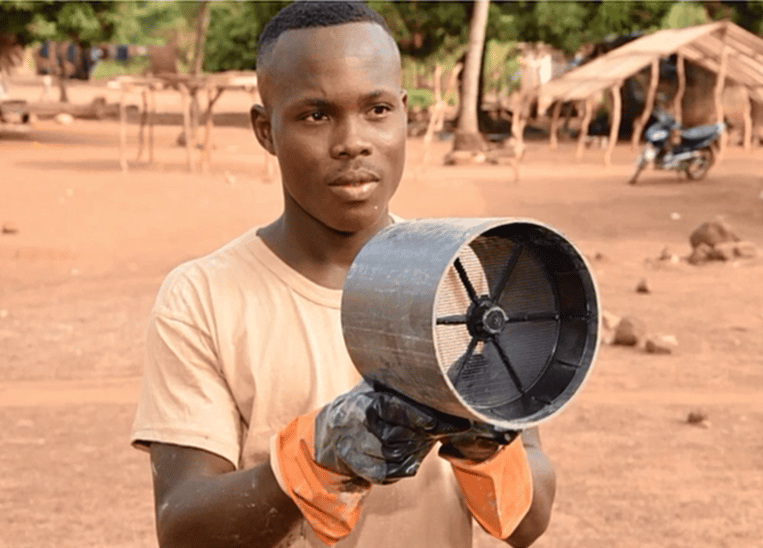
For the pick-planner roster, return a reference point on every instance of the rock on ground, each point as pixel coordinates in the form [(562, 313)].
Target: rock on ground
[(661, 344), (630, 331), (712, 233)]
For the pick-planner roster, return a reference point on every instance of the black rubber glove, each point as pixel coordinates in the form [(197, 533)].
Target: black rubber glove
[(478, 443), (377, 435)]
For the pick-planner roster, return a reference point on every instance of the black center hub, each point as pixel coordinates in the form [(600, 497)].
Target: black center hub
[(485, 319)]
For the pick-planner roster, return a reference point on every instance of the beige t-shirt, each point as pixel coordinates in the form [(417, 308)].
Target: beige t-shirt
[(238, 345)]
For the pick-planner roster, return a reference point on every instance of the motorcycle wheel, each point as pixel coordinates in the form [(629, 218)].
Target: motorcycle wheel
[(699, 166), (640, 165)]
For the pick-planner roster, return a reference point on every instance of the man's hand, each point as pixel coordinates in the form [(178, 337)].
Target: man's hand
[(378, 436), (326, 461), (477, 444)]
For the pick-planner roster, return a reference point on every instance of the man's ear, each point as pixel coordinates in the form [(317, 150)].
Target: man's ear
[(261, 127), (404, 98)]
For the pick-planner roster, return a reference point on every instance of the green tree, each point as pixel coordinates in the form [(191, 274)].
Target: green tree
[(83, 23), (155, 23), (234, 28), (748, 15), (424, 29), (685, 14)]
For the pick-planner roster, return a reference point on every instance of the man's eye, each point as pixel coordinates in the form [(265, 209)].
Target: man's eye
[(380, 110), (316, 116)]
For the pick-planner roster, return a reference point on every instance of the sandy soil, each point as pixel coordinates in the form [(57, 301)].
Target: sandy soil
[(86, 247)]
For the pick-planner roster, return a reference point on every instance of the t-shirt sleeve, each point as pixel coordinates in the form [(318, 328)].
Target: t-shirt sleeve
[(185, 398)]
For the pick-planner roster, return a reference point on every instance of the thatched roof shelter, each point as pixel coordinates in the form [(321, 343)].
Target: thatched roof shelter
[(723, 48)]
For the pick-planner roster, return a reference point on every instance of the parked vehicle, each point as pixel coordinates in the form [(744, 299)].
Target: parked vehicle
[(671, 146)]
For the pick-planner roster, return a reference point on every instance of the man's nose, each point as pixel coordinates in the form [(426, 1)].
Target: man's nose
[(350, 139)]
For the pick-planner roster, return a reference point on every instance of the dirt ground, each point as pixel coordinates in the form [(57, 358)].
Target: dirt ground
[(86, 247)]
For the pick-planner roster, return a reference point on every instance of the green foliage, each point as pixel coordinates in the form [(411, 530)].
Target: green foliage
[(748, 15), (502, 25), (83, 22), (426, 29), (154, 23), (419, 99), (234, 28), (80, 20), (427, 32), (561, 23), (569, 25), (109, 68), (501, 67), (17, 17), (422, 98), (685, 14), (615, 17)]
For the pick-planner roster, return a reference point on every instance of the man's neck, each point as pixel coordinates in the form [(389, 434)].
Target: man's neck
[(314, 250)]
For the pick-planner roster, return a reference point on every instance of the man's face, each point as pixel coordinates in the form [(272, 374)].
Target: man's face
[(337, 123)]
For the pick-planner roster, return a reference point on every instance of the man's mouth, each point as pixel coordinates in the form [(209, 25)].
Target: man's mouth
[(355, 186), (355, 179), (354, 192)]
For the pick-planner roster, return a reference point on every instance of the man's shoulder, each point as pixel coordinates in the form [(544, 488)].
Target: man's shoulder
[(241, 253), (238, 262)]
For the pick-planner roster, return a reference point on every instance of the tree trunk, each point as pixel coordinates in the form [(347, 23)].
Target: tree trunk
[(467, 133), (63, 96), (59, 52), (616, 117), (202, 22)]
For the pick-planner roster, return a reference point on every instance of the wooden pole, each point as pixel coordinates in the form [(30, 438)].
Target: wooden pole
[(554, 129), (518, 121), (584, 127), (205, 159), (437, 83), (212, 96), (680, 90), (434, 114), (143, 120), (151, 121), (122, 129), (187, 126), (614, 130), (638, 126), (747, 114), (719, 84)]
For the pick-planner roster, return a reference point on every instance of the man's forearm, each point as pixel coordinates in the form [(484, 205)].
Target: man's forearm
[(241, 508)]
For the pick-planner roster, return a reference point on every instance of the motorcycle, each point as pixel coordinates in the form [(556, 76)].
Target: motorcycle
[(671, 146)]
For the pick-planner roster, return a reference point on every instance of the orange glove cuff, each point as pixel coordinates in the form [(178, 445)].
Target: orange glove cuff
[(330, 502), (499, 490)]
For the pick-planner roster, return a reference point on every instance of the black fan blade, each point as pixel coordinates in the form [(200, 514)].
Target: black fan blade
[(462, 363), (457, 319), (507, 362), (465, 280), (495, 294), (534, 317)]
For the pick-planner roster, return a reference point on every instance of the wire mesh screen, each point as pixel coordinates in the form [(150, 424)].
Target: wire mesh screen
[(496, 322)]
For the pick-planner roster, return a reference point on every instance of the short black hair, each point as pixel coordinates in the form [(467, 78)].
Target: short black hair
[(305, 14)]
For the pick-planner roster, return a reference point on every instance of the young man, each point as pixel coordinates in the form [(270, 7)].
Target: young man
[(259, 430)]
